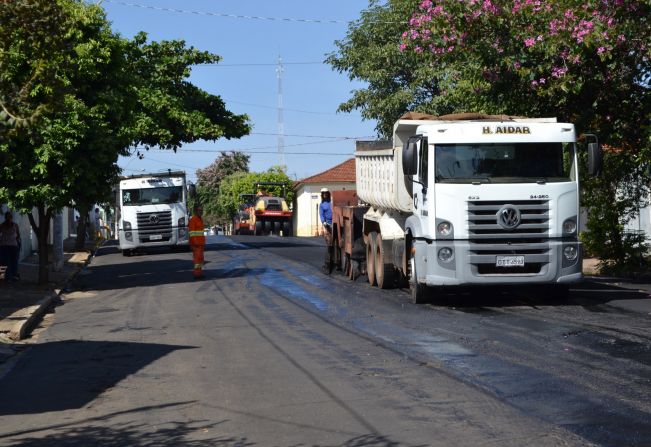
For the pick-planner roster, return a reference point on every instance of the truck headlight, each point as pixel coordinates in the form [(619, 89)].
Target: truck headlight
[(570, 252), (127, 230), (446, 254), (444, 228), (569, 227), (182, 229)]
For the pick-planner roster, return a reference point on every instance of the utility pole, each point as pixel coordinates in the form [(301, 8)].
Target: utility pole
[(281, 125)]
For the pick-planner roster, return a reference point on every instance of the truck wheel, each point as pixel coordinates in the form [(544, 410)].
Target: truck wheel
[(370, 258), (417, 290), (277, 228), (287, 228), (384, 271), (258, 228), (267, 227), (126, 252)]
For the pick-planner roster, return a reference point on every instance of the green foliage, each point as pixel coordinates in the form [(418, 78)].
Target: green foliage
[(396, 81), (210, 178), (613, 199), (243, 183)]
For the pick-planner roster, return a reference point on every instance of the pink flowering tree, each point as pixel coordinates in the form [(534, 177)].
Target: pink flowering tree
[(587, 62)]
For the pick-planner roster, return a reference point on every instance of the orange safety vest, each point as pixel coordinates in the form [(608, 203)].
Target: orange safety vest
[(196, 231)]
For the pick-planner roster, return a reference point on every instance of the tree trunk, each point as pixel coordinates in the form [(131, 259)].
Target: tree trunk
[(80, 242), (42, 230)]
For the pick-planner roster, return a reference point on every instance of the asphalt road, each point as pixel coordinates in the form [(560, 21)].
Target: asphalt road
[(267, 351)]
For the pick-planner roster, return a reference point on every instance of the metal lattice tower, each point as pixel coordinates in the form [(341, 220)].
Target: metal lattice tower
[(281, 125)]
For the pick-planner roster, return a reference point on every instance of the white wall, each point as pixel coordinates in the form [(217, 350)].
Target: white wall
[(308, 198)]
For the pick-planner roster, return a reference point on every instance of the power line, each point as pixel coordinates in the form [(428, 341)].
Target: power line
[(291, 110), (217, 64), (229, 16), (312, 136)]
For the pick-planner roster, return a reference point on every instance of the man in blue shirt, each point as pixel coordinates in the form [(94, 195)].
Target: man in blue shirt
[(325, 213)]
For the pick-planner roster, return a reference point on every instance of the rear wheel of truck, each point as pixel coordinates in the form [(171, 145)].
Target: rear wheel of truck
[(277, 226), (287, 228), (126, 252), (258, 228), (384, 271), (370, 257), (267, 227), (417, 290)]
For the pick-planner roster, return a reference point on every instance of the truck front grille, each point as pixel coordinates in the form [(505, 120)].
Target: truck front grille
[(490, 236), (155, 226)]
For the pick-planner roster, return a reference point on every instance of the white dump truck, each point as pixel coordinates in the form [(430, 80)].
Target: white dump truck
[(152, 211), (472, 199)]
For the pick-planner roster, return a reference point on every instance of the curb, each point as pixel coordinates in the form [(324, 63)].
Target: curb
[(28, 317)]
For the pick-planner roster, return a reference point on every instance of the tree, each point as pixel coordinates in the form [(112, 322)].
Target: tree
[(210, 178), (586, 63), (396, 81), (75, 95), (243, 183)]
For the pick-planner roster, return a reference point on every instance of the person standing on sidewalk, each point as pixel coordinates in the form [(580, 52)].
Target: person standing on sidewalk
[(197, 241), (325, 213), (9, 243)]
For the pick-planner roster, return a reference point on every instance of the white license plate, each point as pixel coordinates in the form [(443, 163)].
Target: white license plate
[(155, 237), (509, 261)]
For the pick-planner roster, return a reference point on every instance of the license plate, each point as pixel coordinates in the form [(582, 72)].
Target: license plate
[(155, 237), (509, 261)]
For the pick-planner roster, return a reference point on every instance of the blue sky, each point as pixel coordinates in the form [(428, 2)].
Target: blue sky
[(246, 77)]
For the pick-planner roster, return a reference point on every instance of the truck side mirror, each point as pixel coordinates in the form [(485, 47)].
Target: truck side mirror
[(595, 159), (410, 158), (192, 190)]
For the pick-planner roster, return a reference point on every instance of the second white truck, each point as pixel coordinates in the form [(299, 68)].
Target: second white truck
[(152, 211)]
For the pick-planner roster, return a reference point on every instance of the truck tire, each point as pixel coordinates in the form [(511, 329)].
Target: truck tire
[(384, 271), (417, 290), (258, 228), (267, 227), (370, 258), (277, 225), (126, 252), (287, 228)]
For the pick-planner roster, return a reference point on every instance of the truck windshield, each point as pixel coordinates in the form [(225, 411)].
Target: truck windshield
[(152, 196), (504, 163)]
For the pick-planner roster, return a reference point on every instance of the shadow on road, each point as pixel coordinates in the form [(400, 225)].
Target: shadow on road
[(59, 376), (172, 434)]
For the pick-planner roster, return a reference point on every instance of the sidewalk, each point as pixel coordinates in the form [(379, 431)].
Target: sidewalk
[(23, 303)]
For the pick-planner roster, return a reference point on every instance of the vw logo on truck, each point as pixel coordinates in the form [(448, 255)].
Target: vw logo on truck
[(508, 217)]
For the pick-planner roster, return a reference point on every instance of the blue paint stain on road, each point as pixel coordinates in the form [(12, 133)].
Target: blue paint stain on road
[(274, 278)]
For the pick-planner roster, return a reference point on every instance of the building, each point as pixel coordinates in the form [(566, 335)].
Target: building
[(307, 195)]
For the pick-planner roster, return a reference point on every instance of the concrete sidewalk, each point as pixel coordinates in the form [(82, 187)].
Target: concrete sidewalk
[(23, 302)]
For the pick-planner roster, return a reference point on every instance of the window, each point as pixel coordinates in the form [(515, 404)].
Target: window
[(423, 162)]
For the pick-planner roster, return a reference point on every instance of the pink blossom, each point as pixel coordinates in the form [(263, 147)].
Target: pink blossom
[(426, 4), (601, 50), (534, 83), (542, 80), (403, 47), (517, 65), (529, 42)]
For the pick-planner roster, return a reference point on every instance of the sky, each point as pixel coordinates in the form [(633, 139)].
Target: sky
[(250, 37)]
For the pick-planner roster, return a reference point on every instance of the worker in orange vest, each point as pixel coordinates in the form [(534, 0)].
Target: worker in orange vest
[(197, 241)]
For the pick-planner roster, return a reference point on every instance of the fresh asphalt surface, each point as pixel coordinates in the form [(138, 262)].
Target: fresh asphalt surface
[(268, 351)]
